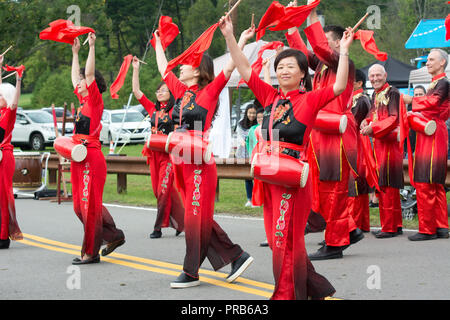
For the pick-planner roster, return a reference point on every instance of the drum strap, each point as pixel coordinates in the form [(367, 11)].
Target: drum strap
[(274, 106)]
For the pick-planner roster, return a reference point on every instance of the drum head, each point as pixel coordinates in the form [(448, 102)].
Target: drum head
[(79, 153), (430, 128)]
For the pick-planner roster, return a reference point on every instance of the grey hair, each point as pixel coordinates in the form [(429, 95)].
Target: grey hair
[(444, 56), (8, 92), (376, 65)]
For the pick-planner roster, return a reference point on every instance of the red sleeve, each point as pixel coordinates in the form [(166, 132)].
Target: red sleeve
[(147, 104), (317, 99), (210, 94), (320, 46), (263, 92), (382, 127), (96, 105), (7, 121), (175, 86), (295, 41)]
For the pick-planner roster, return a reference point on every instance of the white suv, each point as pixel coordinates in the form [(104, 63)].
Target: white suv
[(135, 128), (33, 129)]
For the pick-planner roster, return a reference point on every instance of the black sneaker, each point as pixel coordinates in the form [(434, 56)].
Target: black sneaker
[(442, 233), (184, 281), (422, 237), (156, 234), (4, 244), (239, 265)]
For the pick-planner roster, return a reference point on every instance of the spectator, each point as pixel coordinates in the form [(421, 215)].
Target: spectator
[(242, 130)]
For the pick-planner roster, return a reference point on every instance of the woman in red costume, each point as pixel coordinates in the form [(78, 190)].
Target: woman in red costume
[(169, 205), (9, 98), (88, 176), (197, 91), (292, 113)]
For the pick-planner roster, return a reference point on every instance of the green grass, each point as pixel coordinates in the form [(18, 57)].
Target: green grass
[(25, 100)]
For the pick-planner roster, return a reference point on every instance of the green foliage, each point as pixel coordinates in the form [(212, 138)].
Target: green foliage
[(125, 26)]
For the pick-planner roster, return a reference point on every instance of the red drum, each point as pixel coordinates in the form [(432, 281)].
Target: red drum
[(157, 142), (419, 123), (189, 146), (331, 123), (70, 150), (28, 170), (280, 169)]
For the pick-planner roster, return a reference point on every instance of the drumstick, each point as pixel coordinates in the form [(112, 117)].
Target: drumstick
[(359, 22), (6, 50), (85, 41), (253, 20), (9, 75), (232, 9), (142, 61)]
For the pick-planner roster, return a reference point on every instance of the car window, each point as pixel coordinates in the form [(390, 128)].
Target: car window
[(20, 117), (40, 117), (131, 117)]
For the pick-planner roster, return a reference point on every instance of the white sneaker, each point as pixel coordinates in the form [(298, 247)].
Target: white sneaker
[(248, 204)]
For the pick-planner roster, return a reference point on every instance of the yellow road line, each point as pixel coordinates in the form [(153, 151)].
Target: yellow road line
[(157, 263), (73, 249)]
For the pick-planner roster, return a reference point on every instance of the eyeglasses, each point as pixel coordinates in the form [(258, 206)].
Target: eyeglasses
[(161, 91)]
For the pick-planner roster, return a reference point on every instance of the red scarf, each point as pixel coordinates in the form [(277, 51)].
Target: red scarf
[(194, 54), (18, 69), (118, 83), (63, 31), (368, 44), (167, 30)]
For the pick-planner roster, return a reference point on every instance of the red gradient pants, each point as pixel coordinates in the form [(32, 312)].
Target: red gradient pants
[(169, 203), (9, 228), (285, 214), (204, 237), (359, 209), (88, 180), (390, 209), (431, 207)]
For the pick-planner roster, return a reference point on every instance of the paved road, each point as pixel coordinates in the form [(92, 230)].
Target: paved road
[(39, 267)]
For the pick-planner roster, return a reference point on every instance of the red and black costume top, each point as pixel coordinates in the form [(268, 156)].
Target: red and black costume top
[(294, 114), (324, 61), (430, 158), (384, 118), (196, 106), (7, 121), (161, 118), (88, 118)]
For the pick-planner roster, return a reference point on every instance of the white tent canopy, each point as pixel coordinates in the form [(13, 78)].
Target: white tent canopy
[(422, 77)]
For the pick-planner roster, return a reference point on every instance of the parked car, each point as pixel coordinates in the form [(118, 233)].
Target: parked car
[(133, 129), (59, 113), (33, 130)]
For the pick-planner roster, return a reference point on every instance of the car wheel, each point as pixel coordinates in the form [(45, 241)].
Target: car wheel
[(37, 142)]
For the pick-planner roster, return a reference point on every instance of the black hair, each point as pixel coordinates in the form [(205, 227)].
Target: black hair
[(101, 83), (171, 101), (245, 122), (302, 62), (420, 87), (338, 31), (360, 76)]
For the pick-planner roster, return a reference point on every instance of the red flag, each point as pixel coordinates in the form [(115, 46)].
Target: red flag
[(193, 55), (257, 65), (295, 16), (371, 165), (120, 79), (368, 43), (272, 16), (447, 28), (18, 69), (403, 121), (168, 31), (63, 31)]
